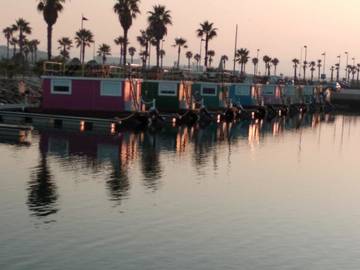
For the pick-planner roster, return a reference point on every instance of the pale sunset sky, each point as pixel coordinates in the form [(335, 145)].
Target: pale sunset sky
[(279, 28)]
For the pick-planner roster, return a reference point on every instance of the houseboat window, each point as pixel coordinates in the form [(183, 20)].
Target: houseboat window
[(111, 88), (62, 87), (208, 91), (168, 89), (242, 90)]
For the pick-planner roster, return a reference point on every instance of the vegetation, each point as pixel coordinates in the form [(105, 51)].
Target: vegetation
[(83, 38), (189, 56), (179, 43), (209, 32), (65, 44), (126, 10), (132, 51), (104, 51), (211, 54), (120, 41), (50, 10), (23, 27), (242, 57), (159, 19)]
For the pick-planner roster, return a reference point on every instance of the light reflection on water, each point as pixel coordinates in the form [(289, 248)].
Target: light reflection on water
[(248, 195)]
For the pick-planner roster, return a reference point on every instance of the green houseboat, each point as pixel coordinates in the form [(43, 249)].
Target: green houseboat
[(167, 96), (213, 96)]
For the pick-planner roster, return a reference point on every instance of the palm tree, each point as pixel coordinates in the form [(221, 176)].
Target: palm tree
[(211, 55), (304, 68), (132, 51), (332, 73), (255, 62), (24, 29), (267, 61), (189, 55), (103, 51), (14, 42), (144, 41), (120, 41), (337, 67), (353, 72), (8, 33), (275, 62), (242, 57), (143, 56), (208, 31), (358, 71), (65, 44), (26, 50), (312, 69), (162, 54), (223, 60), (127, 10), (296, 62), (159, 19), (83, 39), (50, 10), (319, 68), (197, 58), (348, 69), (179, 43)]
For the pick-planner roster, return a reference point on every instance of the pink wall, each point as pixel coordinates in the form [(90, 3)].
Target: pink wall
[(85, 97)]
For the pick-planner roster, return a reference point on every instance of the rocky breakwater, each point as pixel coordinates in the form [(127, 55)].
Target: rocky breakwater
[(13, 91)]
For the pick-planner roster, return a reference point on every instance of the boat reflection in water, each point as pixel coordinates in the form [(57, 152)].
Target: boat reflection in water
[(113, 157)]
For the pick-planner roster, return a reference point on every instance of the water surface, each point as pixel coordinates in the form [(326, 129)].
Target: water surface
[(262, 195)]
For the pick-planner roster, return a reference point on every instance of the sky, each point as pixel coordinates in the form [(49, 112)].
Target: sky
[(279, 28)]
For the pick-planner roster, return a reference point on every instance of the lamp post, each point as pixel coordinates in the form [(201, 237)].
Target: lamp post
[(257, 64), (305, 62), (301, 59), (324, 65), (347, 64), (338, 68)]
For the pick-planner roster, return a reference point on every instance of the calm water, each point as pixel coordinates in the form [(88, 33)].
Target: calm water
[(280, 195)]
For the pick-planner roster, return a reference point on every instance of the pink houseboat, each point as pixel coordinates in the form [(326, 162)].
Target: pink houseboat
[(93, 95)]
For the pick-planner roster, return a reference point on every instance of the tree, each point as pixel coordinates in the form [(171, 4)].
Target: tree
[(159, 19), (132, 51), (267, 61), (223, 60), (179, 43), (8, 34), (50, 10), (197, 58), (296, 62), (14, 42), (275, 62), (103, 51), (26, 50), (127, 11), (312, 69), (120, 41), (211, 55), (34, 43), (24, 29), (162, 54), (242, 57), (143, 56), (319, 68), (144, 41), (189, 56), (65, 44), (332, 68), (83, 38), (337, 67), (358, 71), (255, 62), (208, 31), (304, 68)]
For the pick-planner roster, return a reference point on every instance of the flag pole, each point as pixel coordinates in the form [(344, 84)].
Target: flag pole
[(236, 39)]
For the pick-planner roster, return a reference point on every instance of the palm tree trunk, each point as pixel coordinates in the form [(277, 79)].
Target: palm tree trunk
[(121, 54), (206, 50), (8, 49), (254, 70), (319, 74), (132, 59), (83, 54), (158, 53), (49, 37), (35, 55), (21, 42), (189, 63), (295, 72), (125, 45), (178, 62), (275, 70)]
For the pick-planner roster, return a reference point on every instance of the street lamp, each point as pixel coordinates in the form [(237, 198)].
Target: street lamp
[(305, 62), (347, 64), (324, 65)]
